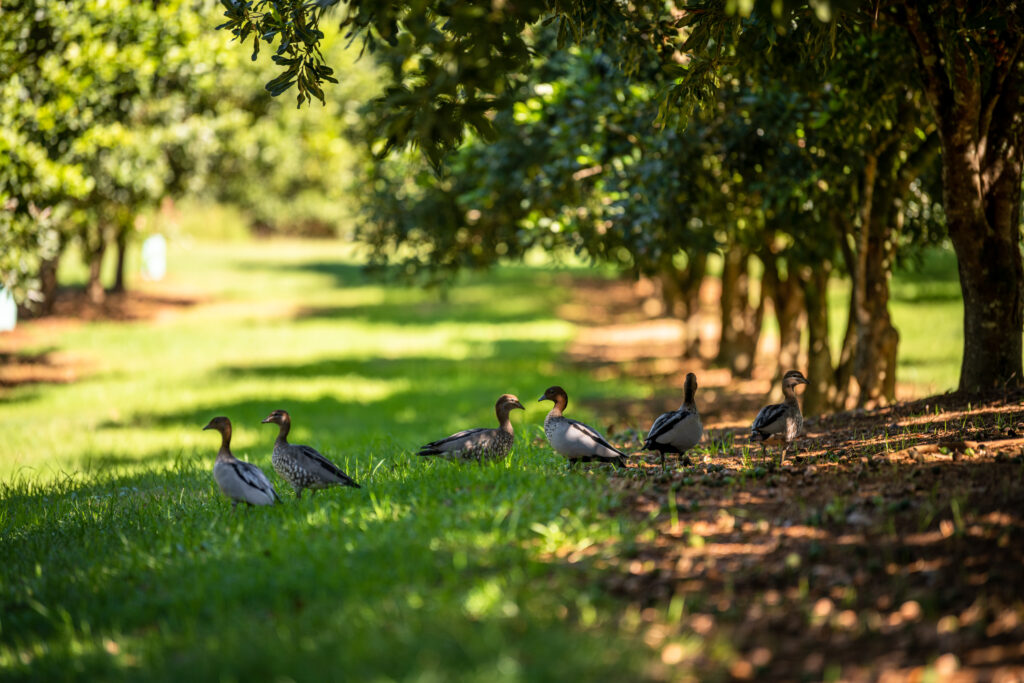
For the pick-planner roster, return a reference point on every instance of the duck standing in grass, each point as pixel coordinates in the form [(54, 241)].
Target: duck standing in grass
[(240, 481), (680, 430), (780, 422), (302, 466), (480, 443), (574, 440)]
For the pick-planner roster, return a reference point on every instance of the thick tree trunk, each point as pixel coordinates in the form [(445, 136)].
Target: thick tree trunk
[(820, 393), (988, 256), (978, 102), (741, 322), (122, 248)]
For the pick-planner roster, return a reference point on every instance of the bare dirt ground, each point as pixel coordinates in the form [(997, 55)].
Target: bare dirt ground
[(891, 548)]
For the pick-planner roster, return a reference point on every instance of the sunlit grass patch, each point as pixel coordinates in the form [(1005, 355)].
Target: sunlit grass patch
[(122, 560)]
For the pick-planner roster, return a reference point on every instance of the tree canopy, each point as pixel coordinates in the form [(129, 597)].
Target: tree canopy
[(453, 66)]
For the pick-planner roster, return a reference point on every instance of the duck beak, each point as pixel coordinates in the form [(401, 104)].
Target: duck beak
[(519, 405), (209, 426), (540, 399), (266, 419), (804, 380)]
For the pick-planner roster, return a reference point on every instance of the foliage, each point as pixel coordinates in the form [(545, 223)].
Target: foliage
[(109, 107)]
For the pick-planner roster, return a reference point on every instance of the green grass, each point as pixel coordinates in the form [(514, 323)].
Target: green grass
[(122, 561)]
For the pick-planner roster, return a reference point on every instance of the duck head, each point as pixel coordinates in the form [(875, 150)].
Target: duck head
[(690, 386), (279, 417), (793, 379), (507, 403), (556, 394), (220, 423)]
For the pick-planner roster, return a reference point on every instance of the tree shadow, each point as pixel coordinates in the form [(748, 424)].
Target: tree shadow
[(855, 561), (152, 574)]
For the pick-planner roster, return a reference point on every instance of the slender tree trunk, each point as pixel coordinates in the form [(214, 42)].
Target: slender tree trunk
[(741, 322), (787, 299), (681, 292), (874, 357), (820, 394), (122, 248), (48, 284), (94, 289)]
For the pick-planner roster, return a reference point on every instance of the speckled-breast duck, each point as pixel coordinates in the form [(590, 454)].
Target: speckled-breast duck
[(780, 422), (303, 467), (480, 443)]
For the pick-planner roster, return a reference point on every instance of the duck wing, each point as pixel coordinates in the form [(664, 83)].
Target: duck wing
[(315, 462), (467, 439), (245, 482), (665, 423), (585, 433), (770, 420)]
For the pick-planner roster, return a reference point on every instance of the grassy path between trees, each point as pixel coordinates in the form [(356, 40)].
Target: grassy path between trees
[(122, 561)]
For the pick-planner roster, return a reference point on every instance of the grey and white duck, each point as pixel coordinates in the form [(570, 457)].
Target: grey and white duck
[(576, 441), (240, 481), (780, 423), (302, 466), (679, 430), (480, 443)]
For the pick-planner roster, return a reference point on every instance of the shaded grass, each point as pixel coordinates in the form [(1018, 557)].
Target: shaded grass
[(123, 561)]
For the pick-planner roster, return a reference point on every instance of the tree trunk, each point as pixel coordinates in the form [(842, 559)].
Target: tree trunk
[(122, 248), (787, 299), (94, 289), (741, 322), (820, 393), (874, 356), (988, 257), (978, 102), (48, 284), (681, 292)]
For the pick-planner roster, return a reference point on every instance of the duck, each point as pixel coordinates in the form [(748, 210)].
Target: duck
[(780, 422), (679, 430), (576, 441), (302, 466), (240, 481), (480, 443)]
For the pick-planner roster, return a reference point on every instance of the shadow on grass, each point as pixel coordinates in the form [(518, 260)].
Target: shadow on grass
[(428, 576), (413, 399)]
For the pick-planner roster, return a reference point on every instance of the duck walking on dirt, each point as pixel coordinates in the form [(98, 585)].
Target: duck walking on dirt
[(780, 422), (480, 443), (574, 440), (679, 430), (302, 466), (240, 481)]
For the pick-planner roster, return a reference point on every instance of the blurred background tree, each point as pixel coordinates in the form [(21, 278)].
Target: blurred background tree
[(110, 108)]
